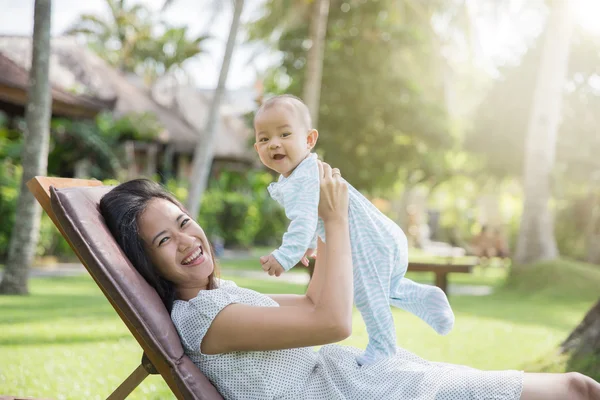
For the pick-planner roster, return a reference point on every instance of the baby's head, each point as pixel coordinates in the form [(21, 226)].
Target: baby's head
[(283, 133)]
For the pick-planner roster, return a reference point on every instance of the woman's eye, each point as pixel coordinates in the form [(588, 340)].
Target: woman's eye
[(184, 222), (163, 240)]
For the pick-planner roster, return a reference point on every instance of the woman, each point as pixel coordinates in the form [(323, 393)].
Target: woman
[(254, 346)]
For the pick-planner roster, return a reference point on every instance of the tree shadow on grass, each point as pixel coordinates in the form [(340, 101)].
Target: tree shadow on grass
[(555, 294), (523, 310), (42, 340), (55, 306)]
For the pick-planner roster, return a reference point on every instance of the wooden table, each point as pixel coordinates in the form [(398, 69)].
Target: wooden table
[(441, 271)]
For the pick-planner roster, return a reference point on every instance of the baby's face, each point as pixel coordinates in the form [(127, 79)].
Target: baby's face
[(281, 138)]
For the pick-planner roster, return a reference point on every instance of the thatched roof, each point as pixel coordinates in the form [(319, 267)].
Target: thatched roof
[(76, 68), (233, 133), (14, 87)]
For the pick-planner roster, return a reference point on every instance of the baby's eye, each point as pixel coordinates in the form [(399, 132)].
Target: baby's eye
[(184, 222), (285, 134), (264, 139)]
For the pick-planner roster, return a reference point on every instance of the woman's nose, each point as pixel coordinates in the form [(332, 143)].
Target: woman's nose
[(186, 242)]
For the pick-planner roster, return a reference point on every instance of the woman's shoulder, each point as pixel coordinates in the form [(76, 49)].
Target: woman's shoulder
[(224, 283), (224, 289), (192, 318), (213, 300)]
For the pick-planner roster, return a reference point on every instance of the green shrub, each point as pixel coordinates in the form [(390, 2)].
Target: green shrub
[(237, 208), (238, 218), (272, 223), (51, 242), (10, 179)]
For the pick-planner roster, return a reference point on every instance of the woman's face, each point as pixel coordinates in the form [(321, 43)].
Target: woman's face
[(176, 245)]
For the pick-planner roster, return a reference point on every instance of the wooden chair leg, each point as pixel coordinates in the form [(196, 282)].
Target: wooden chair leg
[(129, 384)]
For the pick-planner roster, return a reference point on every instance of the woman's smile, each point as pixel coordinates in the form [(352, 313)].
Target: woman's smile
[(196, 257)]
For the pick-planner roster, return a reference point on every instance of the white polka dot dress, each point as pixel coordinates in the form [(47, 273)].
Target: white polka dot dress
[(331, 373)]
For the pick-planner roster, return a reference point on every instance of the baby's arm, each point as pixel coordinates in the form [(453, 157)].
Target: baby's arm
[(301, 207)]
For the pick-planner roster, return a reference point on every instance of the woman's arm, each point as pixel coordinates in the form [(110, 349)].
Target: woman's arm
[(325, 316)]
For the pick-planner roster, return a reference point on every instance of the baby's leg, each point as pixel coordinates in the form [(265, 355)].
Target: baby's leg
[(372, 300), (426, 302)]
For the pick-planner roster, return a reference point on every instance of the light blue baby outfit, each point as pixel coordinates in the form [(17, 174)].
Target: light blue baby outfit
[(379, 256), (332, 373)]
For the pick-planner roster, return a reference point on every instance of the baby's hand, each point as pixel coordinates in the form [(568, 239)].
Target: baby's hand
[(271, 265), (310, 253)]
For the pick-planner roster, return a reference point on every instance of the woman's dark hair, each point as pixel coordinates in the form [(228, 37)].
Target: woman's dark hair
[(121, 209)]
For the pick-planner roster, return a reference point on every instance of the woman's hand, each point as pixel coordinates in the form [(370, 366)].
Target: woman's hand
[(333, 201)]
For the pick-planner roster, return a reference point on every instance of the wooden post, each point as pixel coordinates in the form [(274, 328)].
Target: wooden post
[(441, 280)]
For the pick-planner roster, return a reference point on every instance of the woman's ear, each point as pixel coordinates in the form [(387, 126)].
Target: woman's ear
[(311, 138)]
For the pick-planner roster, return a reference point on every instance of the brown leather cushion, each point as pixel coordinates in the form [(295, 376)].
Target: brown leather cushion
[(77, 212)]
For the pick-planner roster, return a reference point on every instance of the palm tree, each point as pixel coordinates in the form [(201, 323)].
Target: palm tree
[(127, 40), (314, 59), (25, 232), (536, 239), (119, 38), (280, 16), (203, 154), (167, 53)]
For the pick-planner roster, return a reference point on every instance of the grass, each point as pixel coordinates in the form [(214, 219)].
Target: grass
[(64, 341)]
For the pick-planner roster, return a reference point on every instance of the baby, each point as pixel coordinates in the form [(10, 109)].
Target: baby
[(284, 140)]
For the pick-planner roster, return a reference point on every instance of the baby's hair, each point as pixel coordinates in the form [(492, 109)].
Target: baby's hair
[(299, 107)]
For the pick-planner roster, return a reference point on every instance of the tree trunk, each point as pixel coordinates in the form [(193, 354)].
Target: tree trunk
[(24, 237), (314, 62), (593, 249), (585, 339), (592, 236), (203, 154), (536, 239), (314, 67)]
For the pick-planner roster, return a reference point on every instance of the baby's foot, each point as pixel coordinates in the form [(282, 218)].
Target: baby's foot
[(426, 302), (370, 357), (437, 311)]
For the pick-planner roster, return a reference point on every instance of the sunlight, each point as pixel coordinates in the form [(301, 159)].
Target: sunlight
[(587, 15)]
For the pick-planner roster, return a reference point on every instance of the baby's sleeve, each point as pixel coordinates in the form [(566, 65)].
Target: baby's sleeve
[(301, 207), (313, 242), (193, 318)]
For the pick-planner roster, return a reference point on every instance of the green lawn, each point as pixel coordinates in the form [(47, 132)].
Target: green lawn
[(65, 341)]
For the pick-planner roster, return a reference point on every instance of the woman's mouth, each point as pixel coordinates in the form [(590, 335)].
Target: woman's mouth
[(195, 258)]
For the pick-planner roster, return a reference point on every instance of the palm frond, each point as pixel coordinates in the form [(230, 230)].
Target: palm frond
[(89, 23), (166, 5), (88, 135)]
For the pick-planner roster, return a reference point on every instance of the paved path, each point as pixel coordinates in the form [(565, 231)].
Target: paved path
[(74, 269), (302, 279)]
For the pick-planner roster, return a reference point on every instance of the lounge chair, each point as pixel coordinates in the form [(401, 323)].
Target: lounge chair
[(73, 206)]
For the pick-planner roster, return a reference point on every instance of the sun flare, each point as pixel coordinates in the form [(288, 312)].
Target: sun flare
[(587, 14)]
